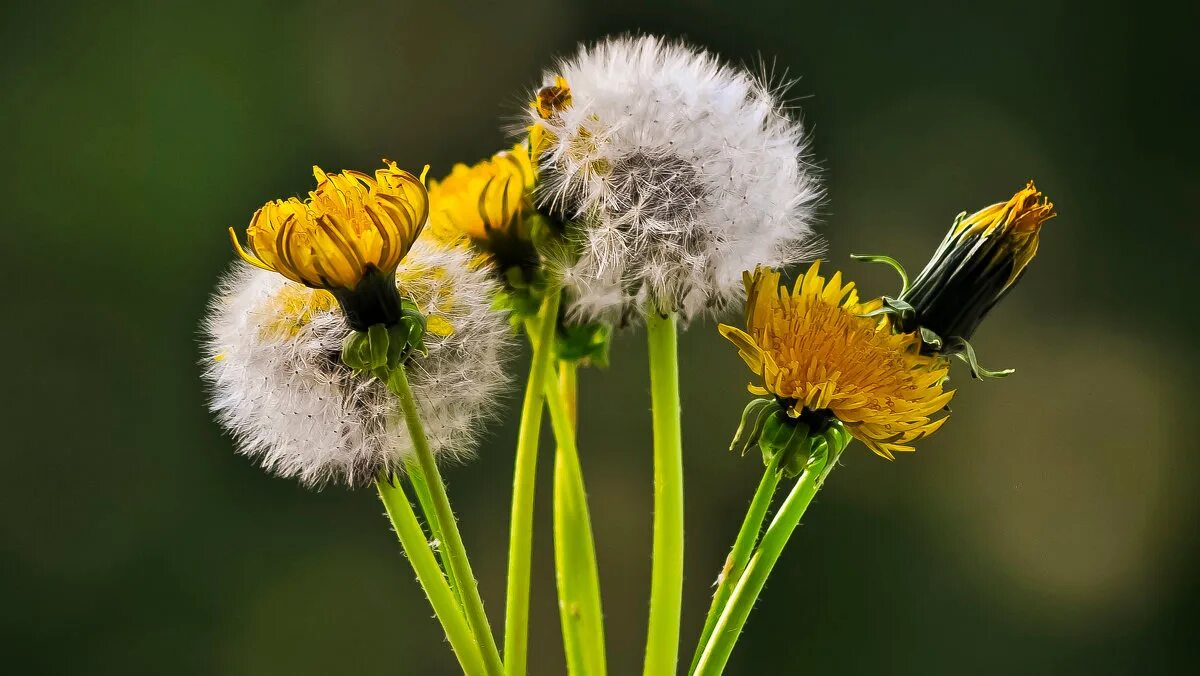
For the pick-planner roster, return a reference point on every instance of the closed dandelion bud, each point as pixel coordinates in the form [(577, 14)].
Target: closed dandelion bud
[(831, 367), (672, 173), (346, 238), (280, 386), (977, 264)]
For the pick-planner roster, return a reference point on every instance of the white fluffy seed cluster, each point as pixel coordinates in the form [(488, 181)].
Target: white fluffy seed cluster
[(682, 172), (278, 385)]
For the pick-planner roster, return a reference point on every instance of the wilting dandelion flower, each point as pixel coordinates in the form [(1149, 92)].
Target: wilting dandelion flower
[(490, 204), (673, 171), (484, 201), (822, 360), (348, 238), (280, 387)]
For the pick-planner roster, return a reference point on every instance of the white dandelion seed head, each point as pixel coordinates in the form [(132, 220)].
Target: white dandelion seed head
[(272, 354), (680, 171)]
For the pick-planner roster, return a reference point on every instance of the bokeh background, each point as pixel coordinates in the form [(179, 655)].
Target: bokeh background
[(1051, 528)]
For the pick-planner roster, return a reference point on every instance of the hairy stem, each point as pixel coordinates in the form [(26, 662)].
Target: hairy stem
[(452, 544), (425, 500), (743, 546), (416, 548), (733, 618)]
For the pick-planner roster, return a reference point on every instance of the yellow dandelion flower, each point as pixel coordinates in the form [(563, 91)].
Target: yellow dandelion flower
[(347, 237), (818, 356), (981, 258), (483, 201)]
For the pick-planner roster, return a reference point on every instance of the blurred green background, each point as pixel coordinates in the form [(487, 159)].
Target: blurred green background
[(1050, 528)]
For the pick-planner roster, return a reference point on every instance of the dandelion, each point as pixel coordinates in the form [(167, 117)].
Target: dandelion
[(280, 387), (347, 238), (978, 262), (673, 171), (821, 360), (486, 201), (832, 371), (490, 204)]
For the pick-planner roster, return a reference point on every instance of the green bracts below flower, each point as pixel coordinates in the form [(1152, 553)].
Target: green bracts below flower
[(380, 348)]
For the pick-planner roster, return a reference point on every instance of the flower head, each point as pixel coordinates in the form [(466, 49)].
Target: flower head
[(279, 385), (351, 232), (673, 172), (816, 354), (978, 262), (489, 203)]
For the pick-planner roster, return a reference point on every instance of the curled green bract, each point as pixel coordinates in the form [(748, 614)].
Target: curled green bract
[(380, 349)]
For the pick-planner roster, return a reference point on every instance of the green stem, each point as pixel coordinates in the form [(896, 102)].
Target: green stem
[(520, 532), (568, 384), (743, 546), (416, 548), (425, 500), (666, 572), (745, 594), (576, 573), (452, 543)]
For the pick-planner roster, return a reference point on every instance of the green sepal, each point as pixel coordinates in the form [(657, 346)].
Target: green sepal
[(893, 306), (933, 340), (837, 437), (751, 424), (378, 341), (782, 434), (818, 455), (380, 349), (798, 452), (962, 349), (584, 343), (776, 434), (889, 261)]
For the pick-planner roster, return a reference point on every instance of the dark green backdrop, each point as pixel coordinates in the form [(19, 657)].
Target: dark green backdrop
[(1050, 528)]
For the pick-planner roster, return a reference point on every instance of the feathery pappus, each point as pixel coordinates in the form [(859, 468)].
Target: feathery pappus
[(673, 171), (278, 384)]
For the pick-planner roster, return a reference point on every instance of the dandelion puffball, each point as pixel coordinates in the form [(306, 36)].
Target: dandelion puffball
[(674, 171), (278, 385)]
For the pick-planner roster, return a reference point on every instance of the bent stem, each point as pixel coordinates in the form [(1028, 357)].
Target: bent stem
[(452, 544), (576, 572), (733, 618), (743, 546), (520, 532), (666, 573), (425, 500), (416, 548)]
